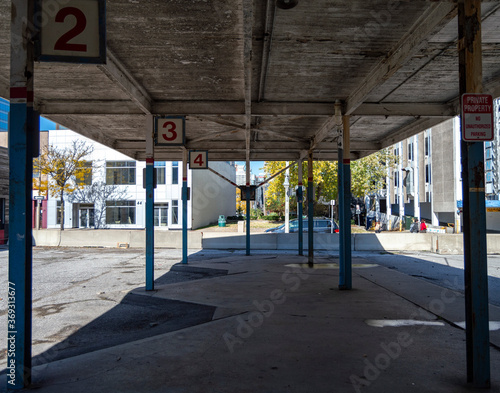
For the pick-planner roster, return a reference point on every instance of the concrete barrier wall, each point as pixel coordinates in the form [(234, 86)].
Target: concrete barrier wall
[(112, 238), (385, 241)]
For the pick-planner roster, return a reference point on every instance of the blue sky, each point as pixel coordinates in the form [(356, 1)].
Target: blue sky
[(255, 166)]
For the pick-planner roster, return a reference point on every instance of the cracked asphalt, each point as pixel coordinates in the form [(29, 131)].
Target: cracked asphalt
[(82, 298)]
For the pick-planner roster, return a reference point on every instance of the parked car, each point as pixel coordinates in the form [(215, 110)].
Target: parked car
[(320, 225)]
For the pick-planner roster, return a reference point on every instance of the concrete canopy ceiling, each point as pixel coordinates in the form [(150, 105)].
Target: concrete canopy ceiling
[(251, 75)]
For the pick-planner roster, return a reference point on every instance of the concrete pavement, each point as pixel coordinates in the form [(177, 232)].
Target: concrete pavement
[(279, 326)]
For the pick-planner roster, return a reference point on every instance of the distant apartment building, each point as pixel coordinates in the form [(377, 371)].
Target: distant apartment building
[(427, 183), (123, 204)]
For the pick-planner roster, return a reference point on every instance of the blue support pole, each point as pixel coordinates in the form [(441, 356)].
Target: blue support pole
[(185, 192), (300, 208), (184, 217), (19, 294), (310, 210), (247, 191), (300, 200), (345, 261), (476, 269), (150, 233), (340, 174), (474, 209)]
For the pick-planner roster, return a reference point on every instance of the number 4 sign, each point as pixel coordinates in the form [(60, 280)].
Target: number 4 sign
[(72, 31), (170, 130), (198, 159)]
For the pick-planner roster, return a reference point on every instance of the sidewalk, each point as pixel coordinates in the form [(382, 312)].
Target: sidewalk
[(281, 327)]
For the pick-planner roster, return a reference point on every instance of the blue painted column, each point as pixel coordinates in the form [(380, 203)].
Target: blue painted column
[(150, 203), (345, 260), (19, 295), (300, 213), (247, 190), (340, 188), (184, 208), (310, 210), (474, 209)]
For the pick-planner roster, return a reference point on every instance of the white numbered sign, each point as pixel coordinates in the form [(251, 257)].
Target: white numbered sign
[(71, 31), (198, 159), (169, 131)]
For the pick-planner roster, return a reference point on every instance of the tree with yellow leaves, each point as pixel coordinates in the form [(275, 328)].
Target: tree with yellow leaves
[(66, 169), (367, 175)]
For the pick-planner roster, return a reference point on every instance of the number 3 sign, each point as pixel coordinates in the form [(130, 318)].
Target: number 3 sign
[(71, 31), (169, 131), (198, 159)]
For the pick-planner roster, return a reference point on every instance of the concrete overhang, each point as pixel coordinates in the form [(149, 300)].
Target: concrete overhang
[(261, 78)]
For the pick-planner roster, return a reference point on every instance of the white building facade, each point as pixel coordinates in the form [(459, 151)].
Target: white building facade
[(118, 199)]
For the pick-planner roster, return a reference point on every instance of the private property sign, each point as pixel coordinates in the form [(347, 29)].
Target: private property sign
[(477, 118)]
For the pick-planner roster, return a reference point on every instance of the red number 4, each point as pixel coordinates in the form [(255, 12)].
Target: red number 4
[(199, 160)]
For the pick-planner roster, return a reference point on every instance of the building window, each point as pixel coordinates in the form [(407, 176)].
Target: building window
[(396, 179), (120, 172), (175, 211), (86, 180), (488, 165), (489, 177), (427, 145), (410, 152), (120, 212), (175, 172), (427, 173), (488, 153), (58, 214), (160, 172), (161, 215), (396, 151)]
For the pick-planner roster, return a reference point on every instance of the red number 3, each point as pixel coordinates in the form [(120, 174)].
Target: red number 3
[(170, 125), (81, 22)]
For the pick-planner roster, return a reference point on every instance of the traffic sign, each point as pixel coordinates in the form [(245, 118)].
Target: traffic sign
[(72, 31), (477, 118), (170, 130), (198, 159)]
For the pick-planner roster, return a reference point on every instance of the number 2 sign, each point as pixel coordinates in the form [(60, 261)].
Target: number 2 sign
[(198, 159), (169, 131), (72, 31)]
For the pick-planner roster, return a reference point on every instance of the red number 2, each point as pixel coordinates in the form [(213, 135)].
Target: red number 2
[(171, 130), (81, 22), (199, 160)]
